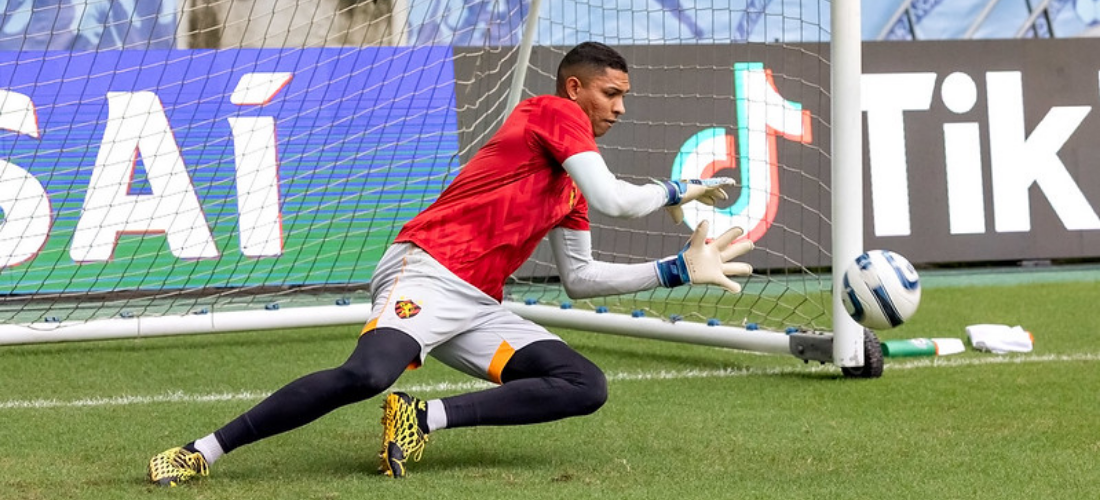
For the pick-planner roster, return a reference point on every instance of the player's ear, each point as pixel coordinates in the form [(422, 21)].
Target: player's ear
[(572, 87)]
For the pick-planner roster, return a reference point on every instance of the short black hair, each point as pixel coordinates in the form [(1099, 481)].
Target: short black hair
[(587, 59)]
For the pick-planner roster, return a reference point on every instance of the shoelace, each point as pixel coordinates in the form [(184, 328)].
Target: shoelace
[(192, 461), (416, 447)]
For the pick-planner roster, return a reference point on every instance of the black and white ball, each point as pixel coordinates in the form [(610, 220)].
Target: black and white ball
[(881, 289)]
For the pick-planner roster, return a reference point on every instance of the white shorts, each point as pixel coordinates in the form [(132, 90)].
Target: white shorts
[(452, 320)]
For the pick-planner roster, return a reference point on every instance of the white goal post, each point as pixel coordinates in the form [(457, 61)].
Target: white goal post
[(847, 186), (208, 168)]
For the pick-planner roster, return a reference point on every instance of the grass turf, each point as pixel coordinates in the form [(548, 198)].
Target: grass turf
[(682, 421)]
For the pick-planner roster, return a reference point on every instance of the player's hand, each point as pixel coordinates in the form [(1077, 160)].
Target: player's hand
[(705, 191), (703, 263), (712, 263)]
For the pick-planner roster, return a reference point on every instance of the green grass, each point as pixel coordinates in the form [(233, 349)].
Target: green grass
[(722, 424)]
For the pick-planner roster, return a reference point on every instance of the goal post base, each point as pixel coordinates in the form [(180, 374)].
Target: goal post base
[(810, 346)]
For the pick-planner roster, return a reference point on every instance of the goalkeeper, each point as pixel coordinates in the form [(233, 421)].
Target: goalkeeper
[(438, 288)]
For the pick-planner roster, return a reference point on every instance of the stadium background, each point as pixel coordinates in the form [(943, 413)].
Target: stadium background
[(916, 210), (100, 24)]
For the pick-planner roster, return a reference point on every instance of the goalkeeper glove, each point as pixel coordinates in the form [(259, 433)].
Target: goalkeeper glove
[(705, 191), (702, 263)]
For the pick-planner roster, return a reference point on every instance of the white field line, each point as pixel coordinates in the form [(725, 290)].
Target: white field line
[(182, 397)]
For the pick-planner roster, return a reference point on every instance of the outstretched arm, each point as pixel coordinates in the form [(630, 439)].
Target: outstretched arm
[(699, 263), (616, 198), (584, 277)]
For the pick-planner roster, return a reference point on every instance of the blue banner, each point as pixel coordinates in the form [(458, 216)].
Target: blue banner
[(216, 168)]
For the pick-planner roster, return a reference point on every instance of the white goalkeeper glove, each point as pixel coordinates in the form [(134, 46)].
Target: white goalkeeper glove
[(702, 263), (705, 191)]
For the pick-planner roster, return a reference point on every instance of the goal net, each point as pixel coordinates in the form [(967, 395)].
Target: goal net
[(182, 158)]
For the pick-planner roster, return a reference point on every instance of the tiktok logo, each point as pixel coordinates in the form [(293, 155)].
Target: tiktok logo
[(762, 115), (1021, 164)]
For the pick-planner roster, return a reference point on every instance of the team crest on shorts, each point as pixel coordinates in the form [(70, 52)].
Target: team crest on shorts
[(406, 309)]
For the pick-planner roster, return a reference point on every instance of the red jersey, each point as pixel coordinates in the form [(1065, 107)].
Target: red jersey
[(487, 223)]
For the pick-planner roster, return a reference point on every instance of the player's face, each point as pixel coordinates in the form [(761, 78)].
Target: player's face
[(601, 98)]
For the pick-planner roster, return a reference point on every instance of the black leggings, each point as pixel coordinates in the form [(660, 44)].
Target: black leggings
[(543, 381)]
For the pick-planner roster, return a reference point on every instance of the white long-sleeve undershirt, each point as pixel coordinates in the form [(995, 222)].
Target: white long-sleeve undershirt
[(584, 277), (609, 195)]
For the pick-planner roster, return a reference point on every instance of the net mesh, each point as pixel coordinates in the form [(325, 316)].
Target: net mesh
[(178, 157), (736, 89)]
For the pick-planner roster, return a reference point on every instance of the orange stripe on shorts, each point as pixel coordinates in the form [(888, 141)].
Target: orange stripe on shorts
[(369, 326), (500, 358)]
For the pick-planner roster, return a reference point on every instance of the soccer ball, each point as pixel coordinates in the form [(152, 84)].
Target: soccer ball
[(881, 289)]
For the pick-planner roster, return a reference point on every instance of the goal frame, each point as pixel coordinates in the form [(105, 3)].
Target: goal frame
[(845, 346)]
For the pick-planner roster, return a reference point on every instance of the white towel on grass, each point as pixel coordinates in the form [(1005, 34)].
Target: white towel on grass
[(1000, 339)]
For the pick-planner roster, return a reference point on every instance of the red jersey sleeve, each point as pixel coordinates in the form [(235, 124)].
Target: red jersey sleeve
[(561, 128), (577, 219)]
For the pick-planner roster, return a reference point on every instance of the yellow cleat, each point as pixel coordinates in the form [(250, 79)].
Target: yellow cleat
[(174, 466), (401, 434)]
